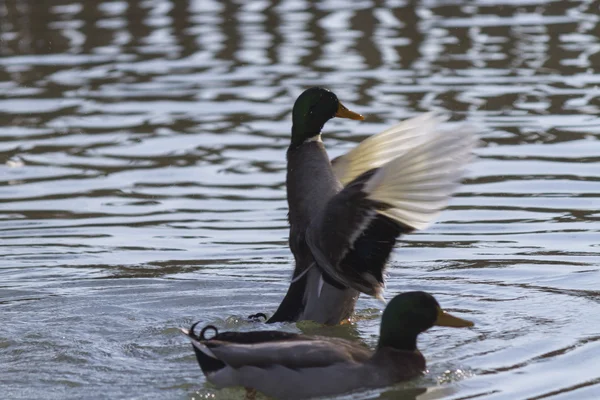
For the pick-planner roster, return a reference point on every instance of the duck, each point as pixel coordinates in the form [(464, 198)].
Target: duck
[(287, 365), (346, 214)]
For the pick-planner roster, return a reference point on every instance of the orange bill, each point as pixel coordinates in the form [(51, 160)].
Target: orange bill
[(343, 112), (446, 319)]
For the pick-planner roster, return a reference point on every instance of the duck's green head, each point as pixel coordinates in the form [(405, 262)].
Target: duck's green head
[(312, 110), (411, 313)]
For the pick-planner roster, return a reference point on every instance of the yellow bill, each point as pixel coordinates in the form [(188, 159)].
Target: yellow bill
[(446, 319), (343, 112)]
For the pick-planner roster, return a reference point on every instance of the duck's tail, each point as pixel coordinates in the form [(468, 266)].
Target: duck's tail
[(207, 360)]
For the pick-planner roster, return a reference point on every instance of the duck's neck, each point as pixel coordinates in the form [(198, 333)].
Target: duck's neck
[(403, 340), (302, 134)]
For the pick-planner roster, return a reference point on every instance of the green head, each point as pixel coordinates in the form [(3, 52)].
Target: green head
[(313, 108), (409, 314)]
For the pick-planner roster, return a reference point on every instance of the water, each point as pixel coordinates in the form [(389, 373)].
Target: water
[(142, 167)]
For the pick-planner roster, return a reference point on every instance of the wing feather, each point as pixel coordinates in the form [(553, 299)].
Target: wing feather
[(399, 180), (378, 150), (417, 185), (309, 353)]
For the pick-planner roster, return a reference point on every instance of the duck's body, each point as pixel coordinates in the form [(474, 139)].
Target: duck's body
[(299, 367), (311, 296), (292, 366), (345, 217)]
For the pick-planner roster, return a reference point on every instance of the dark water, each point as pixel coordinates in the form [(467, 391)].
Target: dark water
[(142, 157)]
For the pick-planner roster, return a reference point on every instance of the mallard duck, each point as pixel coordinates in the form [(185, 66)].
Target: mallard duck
[(292, 366), (346, 215)]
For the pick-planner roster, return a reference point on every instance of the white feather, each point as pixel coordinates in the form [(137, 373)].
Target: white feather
[(321, 282), (316, 138), (382, 148), (368, 217), (418, 184), (296, 279), (203, 348)]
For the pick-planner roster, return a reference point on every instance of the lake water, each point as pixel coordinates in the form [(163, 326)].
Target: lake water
[(142, 169)]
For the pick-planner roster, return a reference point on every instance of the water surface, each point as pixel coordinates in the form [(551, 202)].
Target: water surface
[(142, 169)]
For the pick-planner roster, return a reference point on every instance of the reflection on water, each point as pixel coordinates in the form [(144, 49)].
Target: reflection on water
[(142, 156)]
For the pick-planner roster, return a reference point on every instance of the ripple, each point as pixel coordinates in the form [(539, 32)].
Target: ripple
[(142, 184)]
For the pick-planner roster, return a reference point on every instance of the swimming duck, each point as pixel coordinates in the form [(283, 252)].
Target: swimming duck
[(293, 366), (345, 215)]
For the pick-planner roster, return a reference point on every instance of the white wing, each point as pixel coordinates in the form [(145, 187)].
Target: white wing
[(417, 184), (382, 148), (421, 165)]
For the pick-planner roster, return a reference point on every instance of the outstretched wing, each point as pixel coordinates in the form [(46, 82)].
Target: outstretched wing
[(417, 185), (356, 233), (380, 149)]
